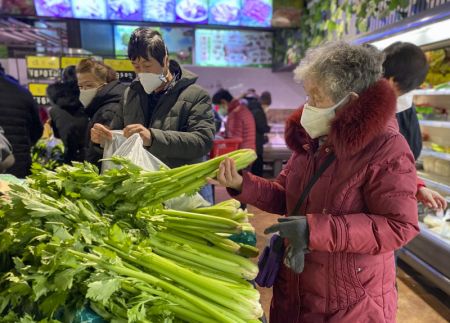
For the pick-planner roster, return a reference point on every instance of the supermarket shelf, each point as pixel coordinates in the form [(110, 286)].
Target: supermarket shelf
[(433, 265), (432, 153), (432, 92), (426, 270), (435, 181), (435, 124)]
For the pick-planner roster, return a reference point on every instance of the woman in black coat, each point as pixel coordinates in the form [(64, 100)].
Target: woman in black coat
[(67, 118), (100, 94)]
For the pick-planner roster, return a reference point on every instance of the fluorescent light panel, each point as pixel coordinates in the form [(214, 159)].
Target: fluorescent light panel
[(425, 35)]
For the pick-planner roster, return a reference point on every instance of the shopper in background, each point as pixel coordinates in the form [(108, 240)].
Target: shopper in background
[(171, 113), (266, 100), (100, 95), (240, 122), (405, 67), (262, 128), (19, 118), (339, 262), (67, 118)]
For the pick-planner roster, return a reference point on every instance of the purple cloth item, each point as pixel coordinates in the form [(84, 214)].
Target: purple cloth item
[(269, 262)]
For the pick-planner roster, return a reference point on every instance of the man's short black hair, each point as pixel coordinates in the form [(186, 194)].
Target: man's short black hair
[(220, 95), (146, 43), (407, 64)]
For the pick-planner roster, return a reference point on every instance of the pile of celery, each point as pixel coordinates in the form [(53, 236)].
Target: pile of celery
[(73, 238)]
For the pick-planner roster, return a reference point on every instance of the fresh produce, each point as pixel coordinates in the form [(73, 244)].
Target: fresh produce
[(66, 243)]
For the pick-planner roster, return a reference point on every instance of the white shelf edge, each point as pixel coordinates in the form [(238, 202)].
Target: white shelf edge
[(431, 153), (431, 92), (433, 182), (435, 124)]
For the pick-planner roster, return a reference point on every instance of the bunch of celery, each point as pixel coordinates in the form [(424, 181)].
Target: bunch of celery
[(130, 188), (60, 249)]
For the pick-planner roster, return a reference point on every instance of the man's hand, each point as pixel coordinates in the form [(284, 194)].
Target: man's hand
[(431, 199), (100, 134), (145, 133), (228, 176)]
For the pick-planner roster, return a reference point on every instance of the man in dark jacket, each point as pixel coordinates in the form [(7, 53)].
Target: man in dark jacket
[(406, 67), (68, 120), (171, 113), (262, 128), (19, 118)]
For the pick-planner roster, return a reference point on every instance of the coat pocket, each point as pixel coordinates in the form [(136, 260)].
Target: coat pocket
[(344, 288)]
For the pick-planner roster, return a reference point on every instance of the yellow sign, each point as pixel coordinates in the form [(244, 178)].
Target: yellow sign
[(120, 65), (37, 89), (68, 61), (43, 62)]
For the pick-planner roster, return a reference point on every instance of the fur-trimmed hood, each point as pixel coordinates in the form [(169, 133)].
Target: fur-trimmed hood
[(355, 125)]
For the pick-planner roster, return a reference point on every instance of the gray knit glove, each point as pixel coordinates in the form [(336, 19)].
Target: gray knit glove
[(295, 230)]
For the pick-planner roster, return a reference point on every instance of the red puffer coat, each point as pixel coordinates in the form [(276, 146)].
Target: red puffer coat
[(361, 209), (241, 124)]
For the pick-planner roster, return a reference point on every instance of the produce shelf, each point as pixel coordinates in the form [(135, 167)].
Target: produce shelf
[(432, 92), (432, 153), (437, 182), (435, 124)]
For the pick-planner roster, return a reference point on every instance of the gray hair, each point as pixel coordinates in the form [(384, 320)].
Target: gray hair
[(341, 68)]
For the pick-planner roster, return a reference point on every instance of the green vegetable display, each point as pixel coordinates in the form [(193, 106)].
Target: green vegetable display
[(72, 238)]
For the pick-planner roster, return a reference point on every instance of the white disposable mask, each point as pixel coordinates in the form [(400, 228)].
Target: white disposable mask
[(86, 96), (405, 102), (150, 81), (316, 121)]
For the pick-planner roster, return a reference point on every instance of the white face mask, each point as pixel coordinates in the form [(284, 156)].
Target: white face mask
[(316, 121), (405, 102), (150, 81), (86, 96)]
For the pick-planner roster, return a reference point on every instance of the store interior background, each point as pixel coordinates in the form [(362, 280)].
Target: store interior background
[(294, 25)]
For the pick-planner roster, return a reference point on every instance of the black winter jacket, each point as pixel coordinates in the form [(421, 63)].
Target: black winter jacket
[(261, 123), (102, 110), (68, 120), (19, 118), (181, 124), (410, 129)]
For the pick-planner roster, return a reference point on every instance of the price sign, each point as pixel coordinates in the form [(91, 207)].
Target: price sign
[(43, 67), (68, 61), (39, 92), (123, 67)]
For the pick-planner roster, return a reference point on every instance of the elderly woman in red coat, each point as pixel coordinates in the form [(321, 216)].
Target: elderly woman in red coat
[(340, 265)]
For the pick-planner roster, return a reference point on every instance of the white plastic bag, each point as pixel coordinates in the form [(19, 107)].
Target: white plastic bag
[(133, 149)]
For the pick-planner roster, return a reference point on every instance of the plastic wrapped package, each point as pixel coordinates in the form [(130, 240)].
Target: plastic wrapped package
[(133, 149)]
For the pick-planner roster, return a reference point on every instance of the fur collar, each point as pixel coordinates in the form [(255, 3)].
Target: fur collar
[(355, 125)]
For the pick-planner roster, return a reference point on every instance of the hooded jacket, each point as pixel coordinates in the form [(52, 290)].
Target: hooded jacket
[(361, 209), (103, 108), (181, 124), (68, 120)]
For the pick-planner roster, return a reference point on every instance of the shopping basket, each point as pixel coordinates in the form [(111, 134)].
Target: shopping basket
[(224, 146)]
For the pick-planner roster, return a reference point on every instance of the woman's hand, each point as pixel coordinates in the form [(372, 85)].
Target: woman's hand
[(228, 176), (145, 133), (100, 134), (431, 199)]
